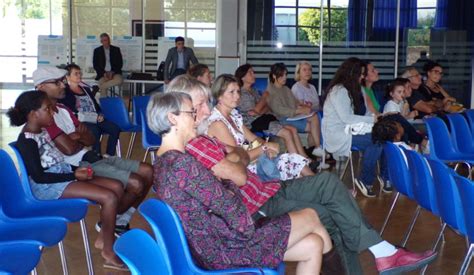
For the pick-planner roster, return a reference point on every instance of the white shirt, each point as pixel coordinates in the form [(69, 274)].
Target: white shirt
[(393, 107), (306, 94)]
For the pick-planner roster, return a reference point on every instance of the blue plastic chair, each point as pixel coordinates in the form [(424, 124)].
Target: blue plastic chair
[(470, 118), (168, 230), (441, 144), (447, 195), (18, 257), (260, 85), (466, 190), (461, 133), (150, 141), (423, 187), (20, 202), (141, 253), (114, 110), (139, 104), (399, 177)]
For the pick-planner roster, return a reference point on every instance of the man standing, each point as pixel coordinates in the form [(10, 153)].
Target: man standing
[(178, 57), (107, 64)]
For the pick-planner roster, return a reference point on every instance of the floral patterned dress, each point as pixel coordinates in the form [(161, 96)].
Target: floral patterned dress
[(218, 226), (289, 164)]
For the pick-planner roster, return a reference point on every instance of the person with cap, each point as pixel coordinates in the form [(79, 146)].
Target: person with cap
[(72, 137), (107, 61), (177, 60)]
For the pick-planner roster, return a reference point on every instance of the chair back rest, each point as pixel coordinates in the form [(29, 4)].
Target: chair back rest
[(461, 133), (139, 104), (168, 230), (470, 118), (447, 195), (398, 169), (149, 139), (24, 178), (441, 144), (422, 181), (466, 191), (260, 85), (10, 184), (114, 109), (140, 252)]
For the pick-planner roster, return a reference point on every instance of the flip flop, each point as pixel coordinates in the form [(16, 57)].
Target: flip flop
[(121, 267)]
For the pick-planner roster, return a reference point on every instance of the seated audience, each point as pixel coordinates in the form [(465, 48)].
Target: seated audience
[(257, 116), (80, 100), (343, 109), (371, 76), (289, 111), (52, 178), (71, 137), (217, 224), (226, 124), (324, 192)]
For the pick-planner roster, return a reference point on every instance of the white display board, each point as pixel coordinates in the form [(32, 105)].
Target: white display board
[(52, 50), (131, 48)]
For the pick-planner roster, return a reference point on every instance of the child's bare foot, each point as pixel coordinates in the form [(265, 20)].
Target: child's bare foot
[(99, 242), (113, 262)]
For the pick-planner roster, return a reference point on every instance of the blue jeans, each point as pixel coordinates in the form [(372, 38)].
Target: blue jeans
[(105, 127), (372, 153)]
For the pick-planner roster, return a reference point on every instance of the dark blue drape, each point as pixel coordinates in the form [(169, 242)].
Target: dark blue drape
[(441, 16), (356, 22), (385, 18)]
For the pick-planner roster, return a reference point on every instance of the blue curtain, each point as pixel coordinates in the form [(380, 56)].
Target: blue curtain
[(385, 18), (441, 16), (357, 18)]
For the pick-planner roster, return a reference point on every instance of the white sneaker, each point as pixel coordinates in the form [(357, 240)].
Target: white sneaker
[(318, 152), (426, 149), (324, 166), (365, 190)]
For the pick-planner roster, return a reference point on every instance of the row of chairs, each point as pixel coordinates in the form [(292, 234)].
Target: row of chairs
[(114, 110), (168, 252), (434, 187), (456, 144), (31, 223)]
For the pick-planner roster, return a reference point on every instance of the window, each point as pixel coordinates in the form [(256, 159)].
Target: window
[(194, 19), (299, 20)]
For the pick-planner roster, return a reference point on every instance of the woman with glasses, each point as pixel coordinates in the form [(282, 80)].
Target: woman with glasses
[(80, 99), (434, 73)]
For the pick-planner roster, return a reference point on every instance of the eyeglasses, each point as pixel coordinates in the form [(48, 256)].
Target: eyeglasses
[(192, 112), (58, 81)]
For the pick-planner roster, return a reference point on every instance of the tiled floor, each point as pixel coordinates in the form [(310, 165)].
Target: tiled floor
[(448, 262)]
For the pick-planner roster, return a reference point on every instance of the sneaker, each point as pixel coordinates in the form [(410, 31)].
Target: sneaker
[(403, 261), (119, 229), (365, 190), (385, 185), (318, 151)]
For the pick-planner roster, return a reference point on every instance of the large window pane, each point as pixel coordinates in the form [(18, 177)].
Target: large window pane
[(201, 16), (285, 34), (285, 16), (309, 3), (285, 2)]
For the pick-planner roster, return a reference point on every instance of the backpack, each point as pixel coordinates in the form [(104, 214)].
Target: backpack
[(160, 74)]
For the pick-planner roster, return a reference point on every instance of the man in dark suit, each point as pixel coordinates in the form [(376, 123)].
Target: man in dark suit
[(178, 58), (107, 64)]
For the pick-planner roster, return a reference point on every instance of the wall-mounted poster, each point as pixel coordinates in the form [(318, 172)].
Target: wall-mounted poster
[(52, 50)]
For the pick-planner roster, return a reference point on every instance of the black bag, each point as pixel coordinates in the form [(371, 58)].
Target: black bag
[(160, 74), (262, 123), (141, 76)]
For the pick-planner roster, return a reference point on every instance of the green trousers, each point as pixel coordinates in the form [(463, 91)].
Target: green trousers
[(337, 210)]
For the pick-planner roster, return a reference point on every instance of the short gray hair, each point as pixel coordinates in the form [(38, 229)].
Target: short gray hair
[(189, 85), (407, 72), (160, 106)]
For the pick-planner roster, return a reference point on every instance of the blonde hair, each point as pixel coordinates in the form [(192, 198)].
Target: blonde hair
[(189, 85), (298, 68)]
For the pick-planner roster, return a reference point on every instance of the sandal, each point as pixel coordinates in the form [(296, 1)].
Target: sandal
[(120, 267)]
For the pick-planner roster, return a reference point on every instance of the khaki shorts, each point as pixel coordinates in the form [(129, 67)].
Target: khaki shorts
[(114, 168)]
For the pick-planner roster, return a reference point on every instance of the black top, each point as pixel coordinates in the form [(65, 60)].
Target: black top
[(70, 99), (116, 61), (430, 94), (30, 153), (415, 97)]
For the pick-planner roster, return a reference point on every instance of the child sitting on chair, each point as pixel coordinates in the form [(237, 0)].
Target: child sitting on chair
[(389, 130)]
